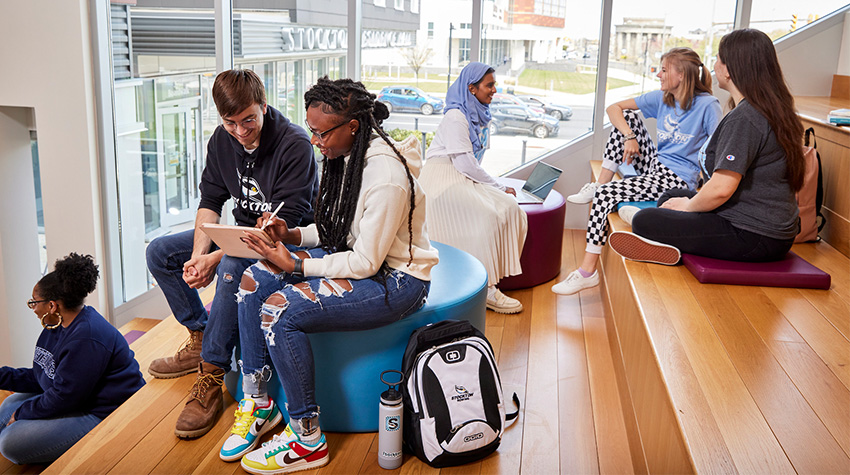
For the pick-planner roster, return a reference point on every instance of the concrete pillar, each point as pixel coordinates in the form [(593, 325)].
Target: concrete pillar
[(19, 253)]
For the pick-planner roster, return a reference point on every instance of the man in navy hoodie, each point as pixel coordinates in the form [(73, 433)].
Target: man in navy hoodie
[(258, 158)]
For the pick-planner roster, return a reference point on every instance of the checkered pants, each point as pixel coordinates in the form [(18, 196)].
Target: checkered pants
[(654, 180)]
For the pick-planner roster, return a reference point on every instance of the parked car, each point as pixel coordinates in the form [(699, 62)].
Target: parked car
[(555, 110), (519, 118), (500, 99), (410, 99)]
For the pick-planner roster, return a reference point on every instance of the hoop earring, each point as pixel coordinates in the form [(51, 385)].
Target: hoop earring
[(51, 327)]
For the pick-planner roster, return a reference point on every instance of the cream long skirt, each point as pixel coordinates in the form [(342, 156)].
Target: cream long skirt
[(479, 219)]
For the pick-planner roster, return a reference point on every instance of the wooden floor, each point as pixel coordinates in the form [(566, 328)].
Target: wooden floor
[(773, 397), (555, 355)]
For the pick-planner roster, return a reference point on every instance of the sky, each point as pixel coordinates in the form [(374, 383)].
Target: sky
[(686, 15)]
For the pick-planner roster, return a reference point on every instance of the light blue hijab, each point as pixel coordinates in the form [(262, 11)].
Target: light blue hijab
[(459, 97)]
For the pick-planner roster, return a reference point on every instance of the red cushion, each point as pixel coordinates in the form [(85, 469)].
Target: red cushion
[(791, 271), (541, 254)]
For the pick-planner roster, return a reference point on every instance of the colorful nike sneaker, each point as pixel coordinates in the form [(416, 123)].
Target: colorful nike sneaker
[(251, 423), (286, 453)]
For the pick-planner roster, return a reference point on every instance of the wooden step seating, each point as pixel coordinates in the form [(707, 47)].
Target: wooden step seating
[(554, 354), (723, 378)]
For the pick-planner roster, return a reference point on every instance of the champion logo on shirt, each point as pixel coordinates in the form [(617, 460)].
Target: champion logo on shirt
[(731, 158)]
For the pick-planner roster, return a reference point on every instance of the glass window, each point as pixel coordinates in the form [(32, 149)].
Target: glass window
[(414, 6), (165, 114), (399, 5), (430, 30), (380, 3), (546, 92), (642, 30), (777, 18)]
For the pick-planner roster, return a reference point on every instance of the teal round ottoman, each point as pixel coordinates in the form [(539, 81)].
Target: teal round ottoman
[(349, 364)]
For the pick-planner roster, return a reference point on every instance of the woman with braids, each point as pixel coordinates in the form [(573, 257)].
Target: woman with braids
[(367, 264), (83, 369), (747, 210), (686, 114), (468, 208)]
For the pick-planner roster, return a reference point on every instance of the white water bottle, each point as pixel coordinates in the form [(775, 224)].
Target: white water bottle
[(389, 425)]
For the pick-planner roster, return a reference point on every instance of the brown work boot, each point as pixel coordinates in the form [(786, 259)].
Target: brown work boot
[(184, 362), (205, 403)]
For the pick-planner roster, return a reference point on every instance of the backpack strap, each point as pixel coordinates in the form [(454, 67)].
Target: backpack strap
[(513, 415), (811, 131)]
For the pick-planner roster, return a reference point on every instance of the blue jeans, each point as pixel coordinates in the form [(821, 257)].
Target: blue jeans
[(277, 311), (165, 257), (39, 440)]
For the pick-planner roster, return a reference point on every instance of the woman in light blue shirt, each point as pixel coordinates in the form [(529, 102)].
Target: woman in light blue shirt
[(687, 115)]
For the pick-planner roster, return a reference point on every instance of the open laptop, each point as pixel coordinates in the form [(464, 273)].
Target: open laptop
[(539, 184)]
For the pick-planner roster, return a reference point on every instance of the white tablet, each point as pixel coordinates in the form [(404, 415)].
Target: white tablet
[(229, 239)]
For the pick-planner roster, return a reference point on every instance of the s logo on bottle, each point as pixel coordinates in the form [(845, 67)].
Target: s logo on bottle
[(392, 423)]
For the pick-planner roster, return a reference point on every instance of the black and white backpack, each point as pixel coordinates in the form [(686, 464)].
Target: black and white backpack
[(454, 412)]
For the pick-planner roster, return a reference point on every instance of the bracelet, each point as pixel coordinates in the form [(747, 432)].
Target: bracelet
[(298, 270), (629, 137)]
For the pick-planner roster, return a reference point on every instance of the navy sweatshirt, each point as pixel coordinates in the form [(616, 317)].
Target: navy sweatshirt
[(282, 168), (87, 367)]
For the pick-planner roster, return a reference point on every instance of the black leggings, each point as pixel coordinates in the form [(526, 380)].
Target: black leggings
[(706, 234)]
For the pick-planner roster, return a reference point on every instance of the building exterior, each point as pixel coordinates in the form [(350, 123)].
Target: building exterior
[(163, 62), (639, 36), (513, 32)]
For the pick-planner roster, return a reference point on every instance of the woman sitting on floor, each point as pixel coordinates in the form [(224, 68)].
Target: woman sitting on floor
[(747, 210), (368, 265), (468, 208), (687, 114), (83, 369)]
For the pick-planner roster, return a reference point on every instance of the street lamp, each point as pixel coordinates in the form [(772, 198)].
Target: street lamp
[(449, 76)]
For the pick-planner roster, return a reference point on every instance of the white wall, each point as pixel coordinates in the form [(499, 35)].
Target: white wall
[(46, 58), (19, 254), (809, 57)]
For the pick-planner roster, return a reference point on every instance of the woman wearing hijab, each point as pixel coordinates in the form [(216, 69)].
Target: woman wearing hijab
[(466, 207)]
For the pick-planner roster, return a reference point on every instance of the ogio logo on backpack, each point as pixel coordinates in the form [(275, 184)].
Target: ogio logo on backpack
[(453, 356), (472, 437)]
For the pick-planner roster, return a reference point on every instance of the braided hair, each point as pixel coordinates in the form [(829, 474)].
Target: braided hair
[(340, 184)]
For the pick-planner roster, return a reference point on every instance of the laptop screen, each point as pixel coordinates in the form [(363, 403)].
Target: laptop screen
[(541, 180)]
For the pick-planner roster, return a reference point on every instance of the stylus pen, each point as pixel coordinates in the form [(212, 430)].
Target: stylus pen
[(268, 221)]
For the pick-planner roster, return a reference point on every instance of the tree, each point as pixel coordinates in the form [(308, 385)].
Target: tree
[(416, 57)]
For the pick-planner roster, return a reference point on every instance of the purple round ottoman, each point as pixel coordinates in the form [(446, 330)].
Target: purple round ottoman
[(541, 255)]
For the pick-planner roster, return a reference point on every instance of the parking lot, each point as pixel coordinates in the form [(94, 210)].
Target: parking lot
[(505, 152)]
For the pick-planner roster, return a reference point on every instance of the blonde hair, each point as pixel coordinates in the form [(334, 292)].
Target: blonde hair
[(696, 78)]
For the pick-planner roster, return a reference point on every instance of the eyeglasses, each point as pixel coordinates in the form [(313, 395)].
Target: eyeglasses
[(246, 124), (321, 135), (32, 302)]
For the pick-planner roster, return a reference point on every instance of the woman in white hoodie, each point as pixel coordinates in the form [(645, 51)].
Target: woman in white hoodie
[(367, 263)]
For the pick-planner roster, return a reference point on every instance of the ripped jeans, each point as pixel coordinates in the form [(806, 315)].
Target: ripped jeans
[(277, 311)]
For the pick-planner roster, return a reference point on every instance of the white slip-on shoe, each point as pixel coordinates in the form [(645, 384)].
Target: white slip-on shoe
[(501, 303), (627, 213), (636, 248), (585, 194), (575, 282)]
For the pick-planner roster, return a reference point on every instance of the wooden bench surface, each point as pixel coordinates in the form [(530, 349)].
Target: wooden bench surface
[(554, 355), (755, 378)]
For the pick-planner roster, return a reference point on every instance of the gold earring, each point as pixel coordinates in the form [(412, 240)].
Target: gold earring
[(51, 327)]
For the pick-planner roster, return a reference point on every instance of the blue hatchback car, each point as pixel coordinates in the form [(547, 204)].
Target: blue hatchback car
[(409, 98)]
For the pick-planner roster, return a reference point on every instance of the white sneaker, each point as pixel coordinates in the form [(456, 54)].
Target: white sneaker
[(627, 213), (585, 194), (637, 248), (575, 282), (501, 303)]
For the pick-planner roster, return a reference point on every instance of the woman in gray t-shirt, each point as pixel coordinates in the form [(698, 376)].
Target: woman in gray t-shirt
[(747, 210)]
